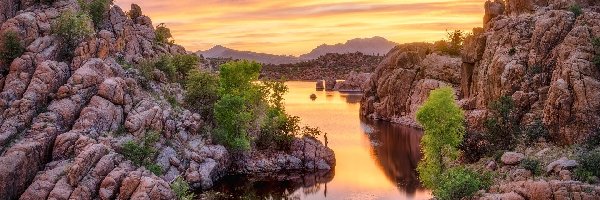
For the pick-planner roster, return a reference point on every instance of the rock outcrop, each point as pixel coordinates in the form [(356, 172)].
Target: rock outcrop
[(537, 52), (402, 82), (355, 82), (63, 121)]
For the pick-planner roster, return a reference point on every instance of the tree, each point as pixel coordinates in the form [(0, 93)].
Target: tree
[(442, 119), (163, 34), (72, 28), (453, 43), (201, 92)]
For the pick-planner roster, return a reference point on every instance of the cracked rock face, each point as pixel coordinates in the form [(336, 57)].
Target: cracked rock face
[(536, 52)]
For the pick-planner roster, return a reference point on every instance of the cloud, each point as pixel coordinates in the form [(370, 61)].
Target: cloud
[(295, 27)]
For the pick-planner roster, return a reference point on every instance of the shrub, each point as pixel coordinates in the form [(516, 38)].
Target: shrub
[(163, 34), (473, 147), (278, 129), (71, 28), (443, 122), (233, 118), (576, 10), (596, 45), (452, 45), (95, 9), (459, 182), (512, 51), (589, 166), (11, 47), (182, 189), (532, 165), (135, 11), (502, 125), (143, 153), (176, 67), (535, 131), (201, 92), (593, 140)]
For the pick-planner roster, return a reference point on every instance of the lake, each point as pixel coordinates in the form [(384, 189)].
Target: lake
[(374, 160)]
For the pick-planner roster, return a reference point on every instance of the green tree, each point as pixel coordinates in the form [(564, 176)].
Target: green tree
[(443, 122), (10, 47), (163, 34), (240, 98), (453, 43), (201, 92)]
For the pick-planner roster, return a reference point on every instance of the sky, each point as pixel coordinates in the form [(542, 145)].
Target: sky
[(294, 27)]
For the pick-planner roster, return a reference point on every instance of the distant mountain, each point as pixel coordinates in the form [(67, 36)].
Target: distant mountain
[(224, 52), (369, 46)]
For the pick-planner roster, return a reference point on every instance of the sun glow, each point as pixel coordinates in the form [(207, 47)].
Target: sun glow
[(295, 27)]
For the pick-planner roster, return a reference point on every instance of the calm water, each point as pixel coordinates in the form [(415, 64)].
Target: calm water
[(375, 160)]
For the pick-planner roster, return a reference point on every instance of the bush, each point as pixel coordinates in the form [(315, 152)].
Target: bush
[(532, 165), (95, 9), (453, 43), (11, 47), (71, 28), (176, 67), (502, 126), (576, 10), (512, 51), (201, 92), (443, 122), (589, 166), (182, 189), (278, 130), (536, 131), (135, 11), (473, 147), (458, 183), (233, 118), (143, 153), (596, 45), (163, 34)]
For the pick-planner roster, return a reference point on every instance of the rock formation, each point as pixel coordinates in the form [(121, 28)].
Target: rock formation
[(355, 82), (63, 123), (537, 52)]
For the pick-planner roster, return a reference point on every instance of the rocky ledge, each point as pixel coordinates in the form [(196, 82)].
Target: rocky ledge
[(63, 124), (537, 52)]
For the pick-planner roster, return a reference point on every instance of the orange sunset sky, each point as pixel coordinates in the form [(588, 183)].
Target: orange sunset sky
[(296, 27)]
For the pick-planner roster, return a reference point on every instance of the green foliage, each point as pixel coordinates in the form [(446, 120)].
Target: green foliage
[(143, 153), (576, 10), (596, 45), (502, 127), (473, 147), (536, 131), (443, 122), (201, 92), (95, 9), (11, 47), (453, 43), (278, 129), (240, 98), (172, 100), (459, 182), (71, 28), (532, 165), (163, 34), (512, 51), (135, 11), (176, 67), (589, 166), (182, 189)]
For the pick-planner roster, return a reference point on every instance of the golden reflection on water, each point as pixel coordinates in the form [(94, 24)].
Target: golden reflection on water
[(375, 160)]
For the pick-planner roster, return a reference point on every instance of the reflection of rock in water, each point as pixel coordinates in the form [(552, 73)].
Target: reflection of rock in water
[(352, 98), (397, 151), (278, 186)]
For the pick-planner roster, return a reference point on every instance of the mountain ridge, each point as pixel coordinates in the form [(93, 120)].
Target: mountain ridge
[(370, 46)]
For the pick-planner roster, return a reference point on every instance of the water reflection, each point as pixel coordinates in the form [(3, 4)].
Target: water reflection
[(279, 186), (397, 152), (374, 160)]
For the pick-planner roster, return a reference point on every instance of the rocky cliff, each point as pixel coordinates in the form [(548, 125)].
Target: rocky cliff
[(540, 53), (63, 122)]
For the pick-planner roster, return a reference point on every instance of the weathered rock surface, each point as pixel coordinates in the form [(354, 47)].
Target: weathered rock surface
[(537, 52), (402, 82), (542, 189), (355, 82), (306, 154), (511, 158)]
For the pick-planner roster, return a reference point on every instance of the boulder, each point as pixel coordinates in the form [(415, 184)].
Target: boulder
[(560, 164), (511, 158)]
